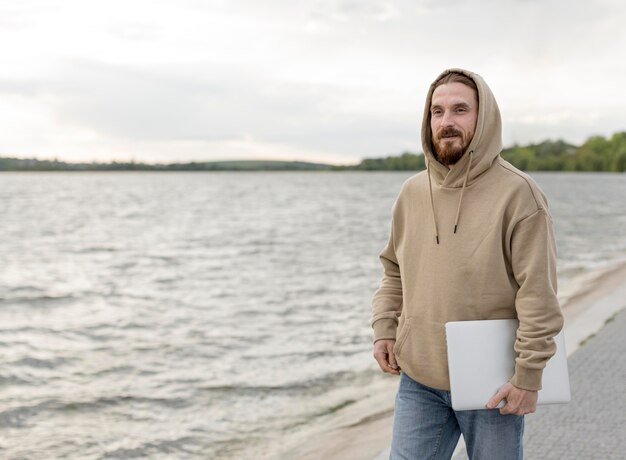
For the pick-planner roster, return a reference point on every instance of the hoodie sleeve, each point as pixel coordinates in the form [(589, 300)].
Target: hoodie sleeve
[(387, 301), (533, 253)]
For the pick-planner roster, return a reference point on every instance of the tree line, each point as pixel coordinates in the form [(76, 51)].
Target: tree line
[(596, 154), (20, 164)]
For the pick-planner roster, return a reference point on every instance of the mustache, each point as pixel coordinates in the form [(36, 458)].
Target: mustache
[(448, 132)]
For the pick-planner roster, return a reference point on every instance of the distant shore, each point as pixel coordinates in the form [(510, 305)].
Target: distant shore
[(596, 154), (364, 431)]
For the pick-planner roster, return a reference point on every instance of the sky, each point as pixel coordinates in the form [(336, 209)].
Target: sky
[(331, 81)]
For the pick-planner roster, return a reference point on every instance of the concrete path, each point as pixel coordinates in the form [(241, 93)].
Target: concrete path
[(593, 424)]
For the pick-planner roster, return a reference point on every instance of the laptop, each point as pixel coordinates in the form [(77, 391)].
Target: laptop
[(481, 359)]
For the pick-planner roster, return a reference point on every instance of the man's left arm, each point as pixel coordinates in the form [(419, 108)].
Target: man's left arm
[(533, 259)]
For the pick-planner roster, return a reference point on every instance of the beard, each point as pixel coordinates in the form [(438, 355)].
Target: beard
[(449, 149)]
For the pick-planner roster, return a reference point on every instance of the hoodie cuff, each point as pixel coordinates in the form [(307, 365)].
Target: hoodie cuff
[(527, 379), (385, 328)]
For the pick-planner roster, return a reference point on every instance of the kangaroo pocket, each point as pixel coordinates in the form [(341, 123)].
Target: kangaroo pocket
[(402, 336), (421, 352)]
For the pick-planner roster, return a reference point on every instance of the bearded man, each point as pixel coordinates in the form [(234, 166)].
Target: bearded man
[(471, 239)]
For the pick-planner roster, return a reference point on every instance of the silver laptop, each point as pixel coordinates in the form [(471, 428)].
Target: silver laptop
[(481, 359)]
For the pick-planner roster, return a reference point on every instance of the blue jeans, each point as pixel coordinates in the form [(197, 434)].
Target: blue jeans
[(425, 427)]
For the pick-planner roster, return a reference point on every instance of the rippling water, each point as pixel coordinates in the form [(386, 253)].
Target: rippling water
[(208, 315)]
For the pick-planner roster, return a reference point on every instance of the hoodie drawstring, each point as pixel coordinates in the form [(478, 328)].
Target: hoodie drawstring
[(432, 201), (458, 211)]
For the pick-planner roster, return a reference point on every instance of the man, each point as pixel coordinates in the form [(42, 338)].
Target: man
[(471, 239)]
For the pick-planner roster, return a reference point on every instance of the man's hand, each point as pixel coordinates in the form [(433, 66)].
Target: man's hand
[(518, 401), (383, 353)]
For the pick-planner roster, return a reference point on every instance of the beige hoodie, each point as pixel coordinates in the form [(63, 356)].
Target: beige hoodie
[(475, 244)]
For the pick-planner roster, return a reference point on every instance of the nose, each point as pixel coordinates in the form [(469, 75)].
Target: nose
[(446, 119)]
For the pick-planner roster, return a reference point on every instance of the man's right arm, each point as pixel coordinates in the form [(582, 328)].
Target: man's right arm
[(387, 307)]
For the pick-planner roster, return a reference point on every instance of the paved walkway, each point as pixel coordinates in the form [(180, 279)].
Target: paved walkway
[(593, 425)]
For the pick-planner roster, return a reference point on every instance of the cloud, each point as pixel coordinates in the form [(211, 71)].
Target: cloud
[(342, 11), (196, 104)]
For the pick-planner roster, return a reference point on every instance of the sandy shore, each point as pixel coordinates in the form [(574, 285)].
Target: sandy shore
[(363, 431)]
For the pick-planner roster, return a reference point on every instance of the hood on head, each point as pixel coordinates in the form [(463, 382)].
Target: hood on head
[(486, 143)]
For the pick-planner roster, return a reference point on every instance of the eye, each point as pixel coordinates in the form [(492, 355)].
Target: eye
[(436, 112)]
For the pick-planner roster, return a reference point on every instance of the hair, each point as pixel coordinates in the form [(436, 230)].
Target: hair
[(456, 77)]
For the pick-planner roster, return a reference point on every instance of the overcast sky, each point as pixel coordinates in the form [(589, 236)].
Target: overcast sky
[(328, 80)]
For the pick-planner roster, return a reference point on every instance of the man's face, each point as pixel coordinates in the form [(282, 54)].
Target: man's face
[(453, 115)]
